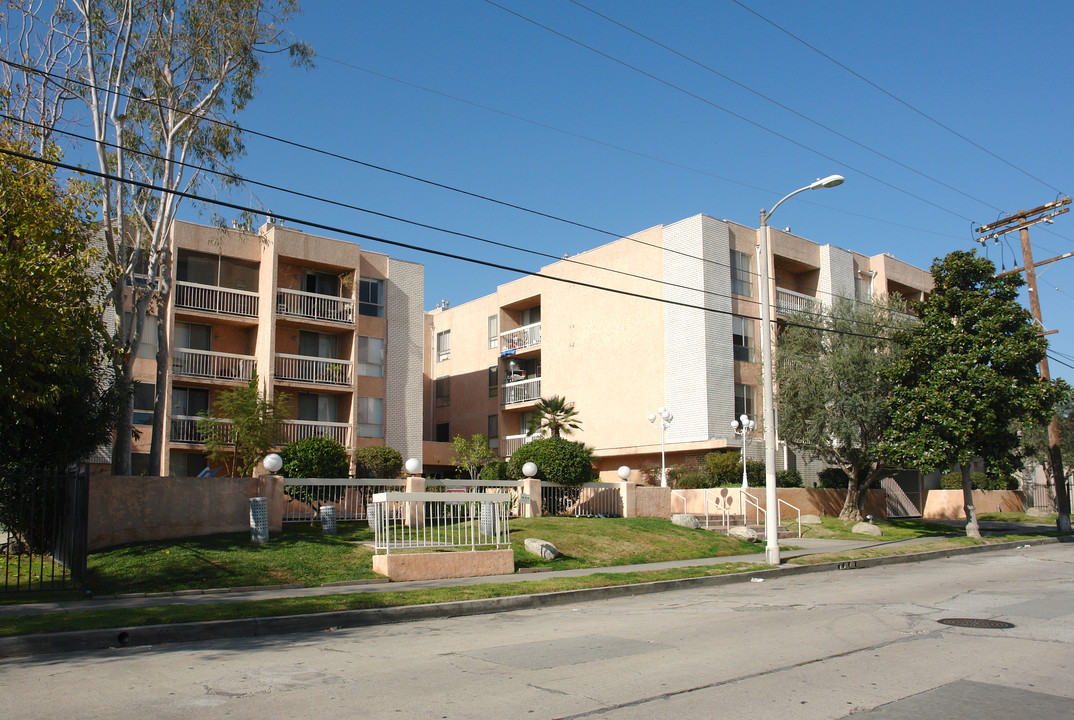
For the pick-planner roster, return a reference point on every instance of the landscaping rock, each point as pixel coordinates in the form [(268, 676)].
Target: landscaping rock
[(541, 548), (811, 520), (740, 532), (1037, 512), (686, 521), (864, 528)]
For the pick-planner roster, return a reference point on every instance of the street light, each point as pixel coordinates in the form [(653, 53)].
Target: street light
[(665, 422), (743, 426), (771, 511)]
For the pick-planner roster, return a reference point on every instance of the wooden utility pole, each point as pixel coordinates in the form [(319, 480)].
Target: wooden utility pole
[(1022, 221)]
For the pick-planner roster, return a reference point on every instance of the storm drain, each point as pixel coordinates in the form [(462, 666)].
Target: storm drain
[(977, 623)]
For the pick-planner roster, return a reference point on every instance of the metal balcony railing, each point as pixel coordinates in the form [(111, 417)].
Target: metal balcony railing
[(211, 298), (323, 371), (189, 362), (185, 429), (295, 430), (521, 338), (789, 302), (521, 391), (296, 303)]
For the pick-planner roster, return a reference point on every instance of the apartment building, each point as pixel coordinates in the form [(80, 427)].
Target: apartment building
[(679, 330), (336, 328)]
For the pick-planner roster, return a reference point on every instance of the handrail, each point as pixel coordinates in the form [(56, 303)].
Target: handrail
[(760, 512), (682, 497), (723, 507), (779, 517)]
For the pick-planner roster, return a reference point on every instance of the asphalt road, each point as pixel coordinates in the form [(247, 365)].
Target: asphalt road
[(858, 642)]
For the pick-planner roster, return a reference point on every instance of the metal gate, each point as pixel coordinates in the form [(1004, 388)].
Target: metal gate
[(902, 493), (43, 530)]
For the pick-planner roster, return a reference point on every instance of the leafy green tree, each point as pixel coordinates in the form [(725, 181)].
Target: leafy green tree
[(968, 373), (833, 391), (57, 399), (471, 454), (555, 415), (1035, 439), (377, 461), (558, 460), (315, 457), (243, 428), (494, 470)]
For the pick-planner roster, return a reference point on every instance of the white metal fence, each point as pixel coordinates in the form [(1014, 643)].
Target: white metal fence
[(521, 391), (210, 364), (212, 298), (314, 306), (295, 430), (325, 371), (789, 302), (351, 497), (520, 338), (402, 520)]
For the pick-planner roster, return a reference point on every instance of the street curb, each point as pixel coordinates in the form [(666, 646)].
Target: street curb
[(123, 637)]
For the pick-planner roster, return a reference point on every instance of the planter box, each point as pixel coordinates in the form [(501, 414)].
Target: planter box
[(441, 565)]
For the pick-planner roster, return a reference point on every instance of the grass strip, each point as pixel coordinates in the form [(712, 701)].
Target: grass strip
[(888, 550)]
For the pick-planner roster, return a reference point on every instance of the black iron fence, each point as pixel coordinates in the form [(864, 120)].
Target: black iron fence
[(43, 530), (1041, 495)]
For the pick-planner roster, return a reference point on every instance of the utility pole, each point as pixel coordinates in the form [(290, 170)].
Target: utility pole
[(1022, 221)]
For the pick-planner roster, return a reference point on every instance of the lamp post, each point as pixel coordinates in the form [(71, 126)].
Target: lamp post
[(743, 426), (665, 421), (771, 512)]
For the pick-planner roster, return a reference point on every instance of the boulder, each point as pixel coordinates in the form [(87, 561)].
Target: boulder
[(541, 548), (741, 532), (686, 521), (864, 528), (811, 520), (1037, 512)]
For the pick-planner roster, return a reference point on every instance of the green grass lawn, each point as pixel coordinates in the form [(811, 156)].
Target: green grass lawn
[(835, 529)]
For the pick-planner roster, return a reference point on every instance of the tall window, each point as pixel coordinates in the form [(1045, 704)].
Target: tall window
[(443, 433), (863, 286), (143, 403), (189, 401), (494, 331), (370, 357), (743, 400), (315, 344), (370, 417), (320, 283), (193, 336), (317, 408), (531, 316), (741, 274), (494, 381), (371, 297), (147, 341), (741, 338), (494, 431), (443, 391), (443, 345)]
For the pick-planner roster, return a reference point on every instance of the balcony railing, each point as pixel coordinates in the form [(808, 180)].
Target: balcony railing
[(323, 371), (521, 338), (521, 391), (295, 303), (212, 298), (185, 429), (789, 302), (210, 364), (514, 442), (295, 430)]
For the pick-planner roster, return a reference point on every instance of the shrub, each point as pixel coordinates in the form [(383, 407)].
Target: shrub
[(724, 468), (687, 476), (834, 478), (558, 460), (494, 470), (377, 461), (315, 457), (787, 478), (979, 481)]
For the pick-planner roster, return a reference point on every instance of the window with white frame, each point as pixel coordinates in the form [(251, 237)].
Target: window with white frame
[(369, 359), (494, 331), (863, 286), (371, 297), (370, 416), (742, 338), (743, 400), (741, 273), (443, 345)]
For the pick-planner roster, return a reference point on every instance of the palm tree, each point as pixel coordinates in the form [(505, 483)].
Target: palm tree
[(556, 415)]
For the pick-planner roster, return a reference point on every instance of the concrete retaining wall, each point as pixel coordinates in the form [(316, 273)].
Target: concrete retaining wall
[(948, 504), (440, 565)]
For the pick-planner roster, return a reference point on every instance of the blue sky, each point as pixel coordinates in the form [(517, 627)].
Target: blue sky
[(470, 95)]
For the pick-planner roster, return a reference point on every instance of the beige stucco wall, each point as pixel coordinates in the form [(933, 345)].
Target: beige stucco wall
[(439, 565), (810, 501), (137, 509), (948, 504)]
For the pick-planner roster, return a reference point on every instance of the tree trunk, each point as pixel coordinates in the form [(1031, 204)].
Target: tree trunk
[(156, 444), (851, 511), (973, 530), (121, 447)]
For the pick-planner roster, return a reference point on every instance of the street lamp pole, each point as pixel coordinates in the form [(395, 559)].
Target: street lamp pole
[(743, 426), (771, 532), (665, 421)]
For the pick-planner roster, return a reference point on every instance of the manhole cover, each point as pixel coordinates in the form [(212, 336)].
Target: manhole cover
[(977, 623)]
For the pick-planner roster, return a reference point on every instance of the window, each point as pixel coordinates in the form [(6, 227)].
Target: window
[(188, 402), (494, 431), (370, 417), (199, 268), (315, 344), (144, 394), (317, 408), (494, 331), (741, 338), (371, 297), (320, 283), (147, 341), (443, 391), (192, 336), (185, 464), (743, 400), (370, 358), (741, 276), (863, 286), (494, 384), (443, 345), (442, 432), (531, 316)]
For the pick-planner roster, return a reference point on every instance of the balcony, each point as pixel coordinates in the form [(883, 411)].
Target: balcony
[(514, 442), (789, 302), (295, 430), (188, 362), (313, 306), (185, 430), (320, 371), (215, 299), (513, 341), (521, 391)]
